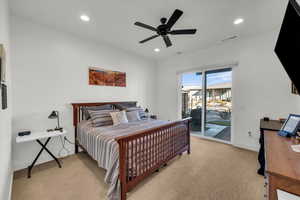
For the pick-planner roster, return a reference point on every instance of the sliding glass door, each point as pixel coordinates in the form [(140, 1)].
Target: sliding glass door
[(192, 99), (206, 97), (218, 106)]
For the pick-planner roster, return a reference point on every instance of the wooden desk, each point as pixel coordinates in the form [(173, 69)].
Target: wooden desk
[(282, 165), (271, 125)]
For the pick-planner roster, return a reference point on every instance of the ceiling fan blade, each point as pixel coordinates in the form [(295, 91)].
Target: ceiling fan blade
[(149, 38), (183, 32), (167, 40), (173, 19), (145, 26)]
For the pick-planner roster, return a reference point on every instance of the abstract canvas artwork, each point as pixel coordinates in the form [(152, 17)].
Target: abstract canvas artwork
[(99, 76)]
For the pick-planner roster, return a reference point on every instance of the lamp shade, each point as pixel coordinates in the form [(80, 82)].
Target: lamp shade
[(53, 115)]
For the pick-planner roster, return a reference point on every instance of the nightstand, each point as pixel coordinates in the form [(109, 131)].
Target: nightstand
[(37, 136)]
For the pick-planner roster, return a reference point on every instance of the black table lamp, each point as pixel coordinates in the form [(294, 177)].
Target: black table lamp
[(55, 115)]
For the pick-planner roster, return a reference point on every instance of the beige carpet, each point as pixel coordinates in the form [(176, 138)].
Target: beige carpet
[(213, 171)]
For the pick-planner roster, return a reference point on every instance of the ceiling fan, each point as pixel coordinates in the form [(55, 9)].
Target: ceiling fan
[(164, 29)]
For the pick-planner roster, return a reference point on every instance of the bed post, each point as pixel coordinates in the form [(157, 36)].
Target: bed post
[(75, 121), (76, 145), (189, 135), (123, 170)]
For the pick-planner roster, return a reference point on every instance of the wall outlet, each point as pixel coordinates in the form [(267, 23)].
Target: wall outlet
[(249, 133)]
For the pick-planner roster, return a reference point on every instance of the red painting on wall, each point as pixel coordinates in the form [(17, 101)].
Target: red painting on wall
[(98, 76)]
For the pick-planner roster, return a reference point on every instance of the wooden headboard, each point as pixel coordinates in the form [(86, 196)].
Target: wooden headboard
[(78, 114), (77, 108)]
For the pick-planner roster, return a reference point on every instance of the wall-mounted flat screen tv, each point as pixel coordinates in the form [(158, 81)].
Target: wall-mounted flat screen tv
[(288, 43)]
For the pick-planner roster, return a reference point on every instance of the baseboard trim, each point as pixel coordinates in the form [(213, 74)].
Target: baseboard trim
[(39, 162), (248, 147)]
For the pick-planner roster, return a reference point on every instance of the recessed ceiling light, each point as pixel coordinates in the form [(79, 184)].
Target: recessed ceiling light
[(238, 21), (157, 50), (85, 18)]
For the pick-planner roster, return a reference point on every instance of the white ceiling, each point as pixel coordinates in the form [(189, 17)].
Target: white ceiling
[(112, 20)]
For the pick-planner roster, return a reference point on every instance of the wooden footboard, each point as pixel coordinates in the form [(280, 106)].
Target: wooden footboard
[(144, 152)]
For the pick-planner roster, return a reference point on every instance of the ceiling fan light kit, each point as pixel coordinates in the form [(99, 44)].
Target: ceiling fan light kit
[(164, 30)]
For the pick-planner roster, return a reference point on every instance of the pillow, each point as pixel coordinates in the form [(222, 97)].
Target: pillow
[(101, 117), (140, 111), (133, 116), (119, 117), (85, 110), (125, 105)]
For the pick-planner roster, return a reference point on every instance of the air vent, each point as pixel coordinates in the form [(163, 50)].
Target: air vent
[(230, 38)]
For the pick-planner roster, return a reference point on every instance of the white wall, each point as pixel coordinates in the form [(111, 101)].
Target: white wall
[(50, 71), (260, 85), (5, 115)]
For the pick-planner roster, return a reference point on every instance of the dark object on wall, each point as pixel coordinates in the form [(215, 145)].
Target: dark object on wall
[(3, 87), (4, 96), (55, 115), (288, 43), (266, 119), (98, 76), (1, 67), (165, 28), (23, 133), (294, 90)]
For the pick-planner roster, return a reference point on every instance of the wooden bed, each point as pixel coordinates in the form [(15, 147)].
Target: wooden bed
[(162, 144)]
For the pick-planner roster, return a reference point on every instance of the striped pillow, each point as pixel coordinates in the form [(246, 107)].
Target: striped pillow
[(101, 117), (142, 113), (85, 110), (124, 106)]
